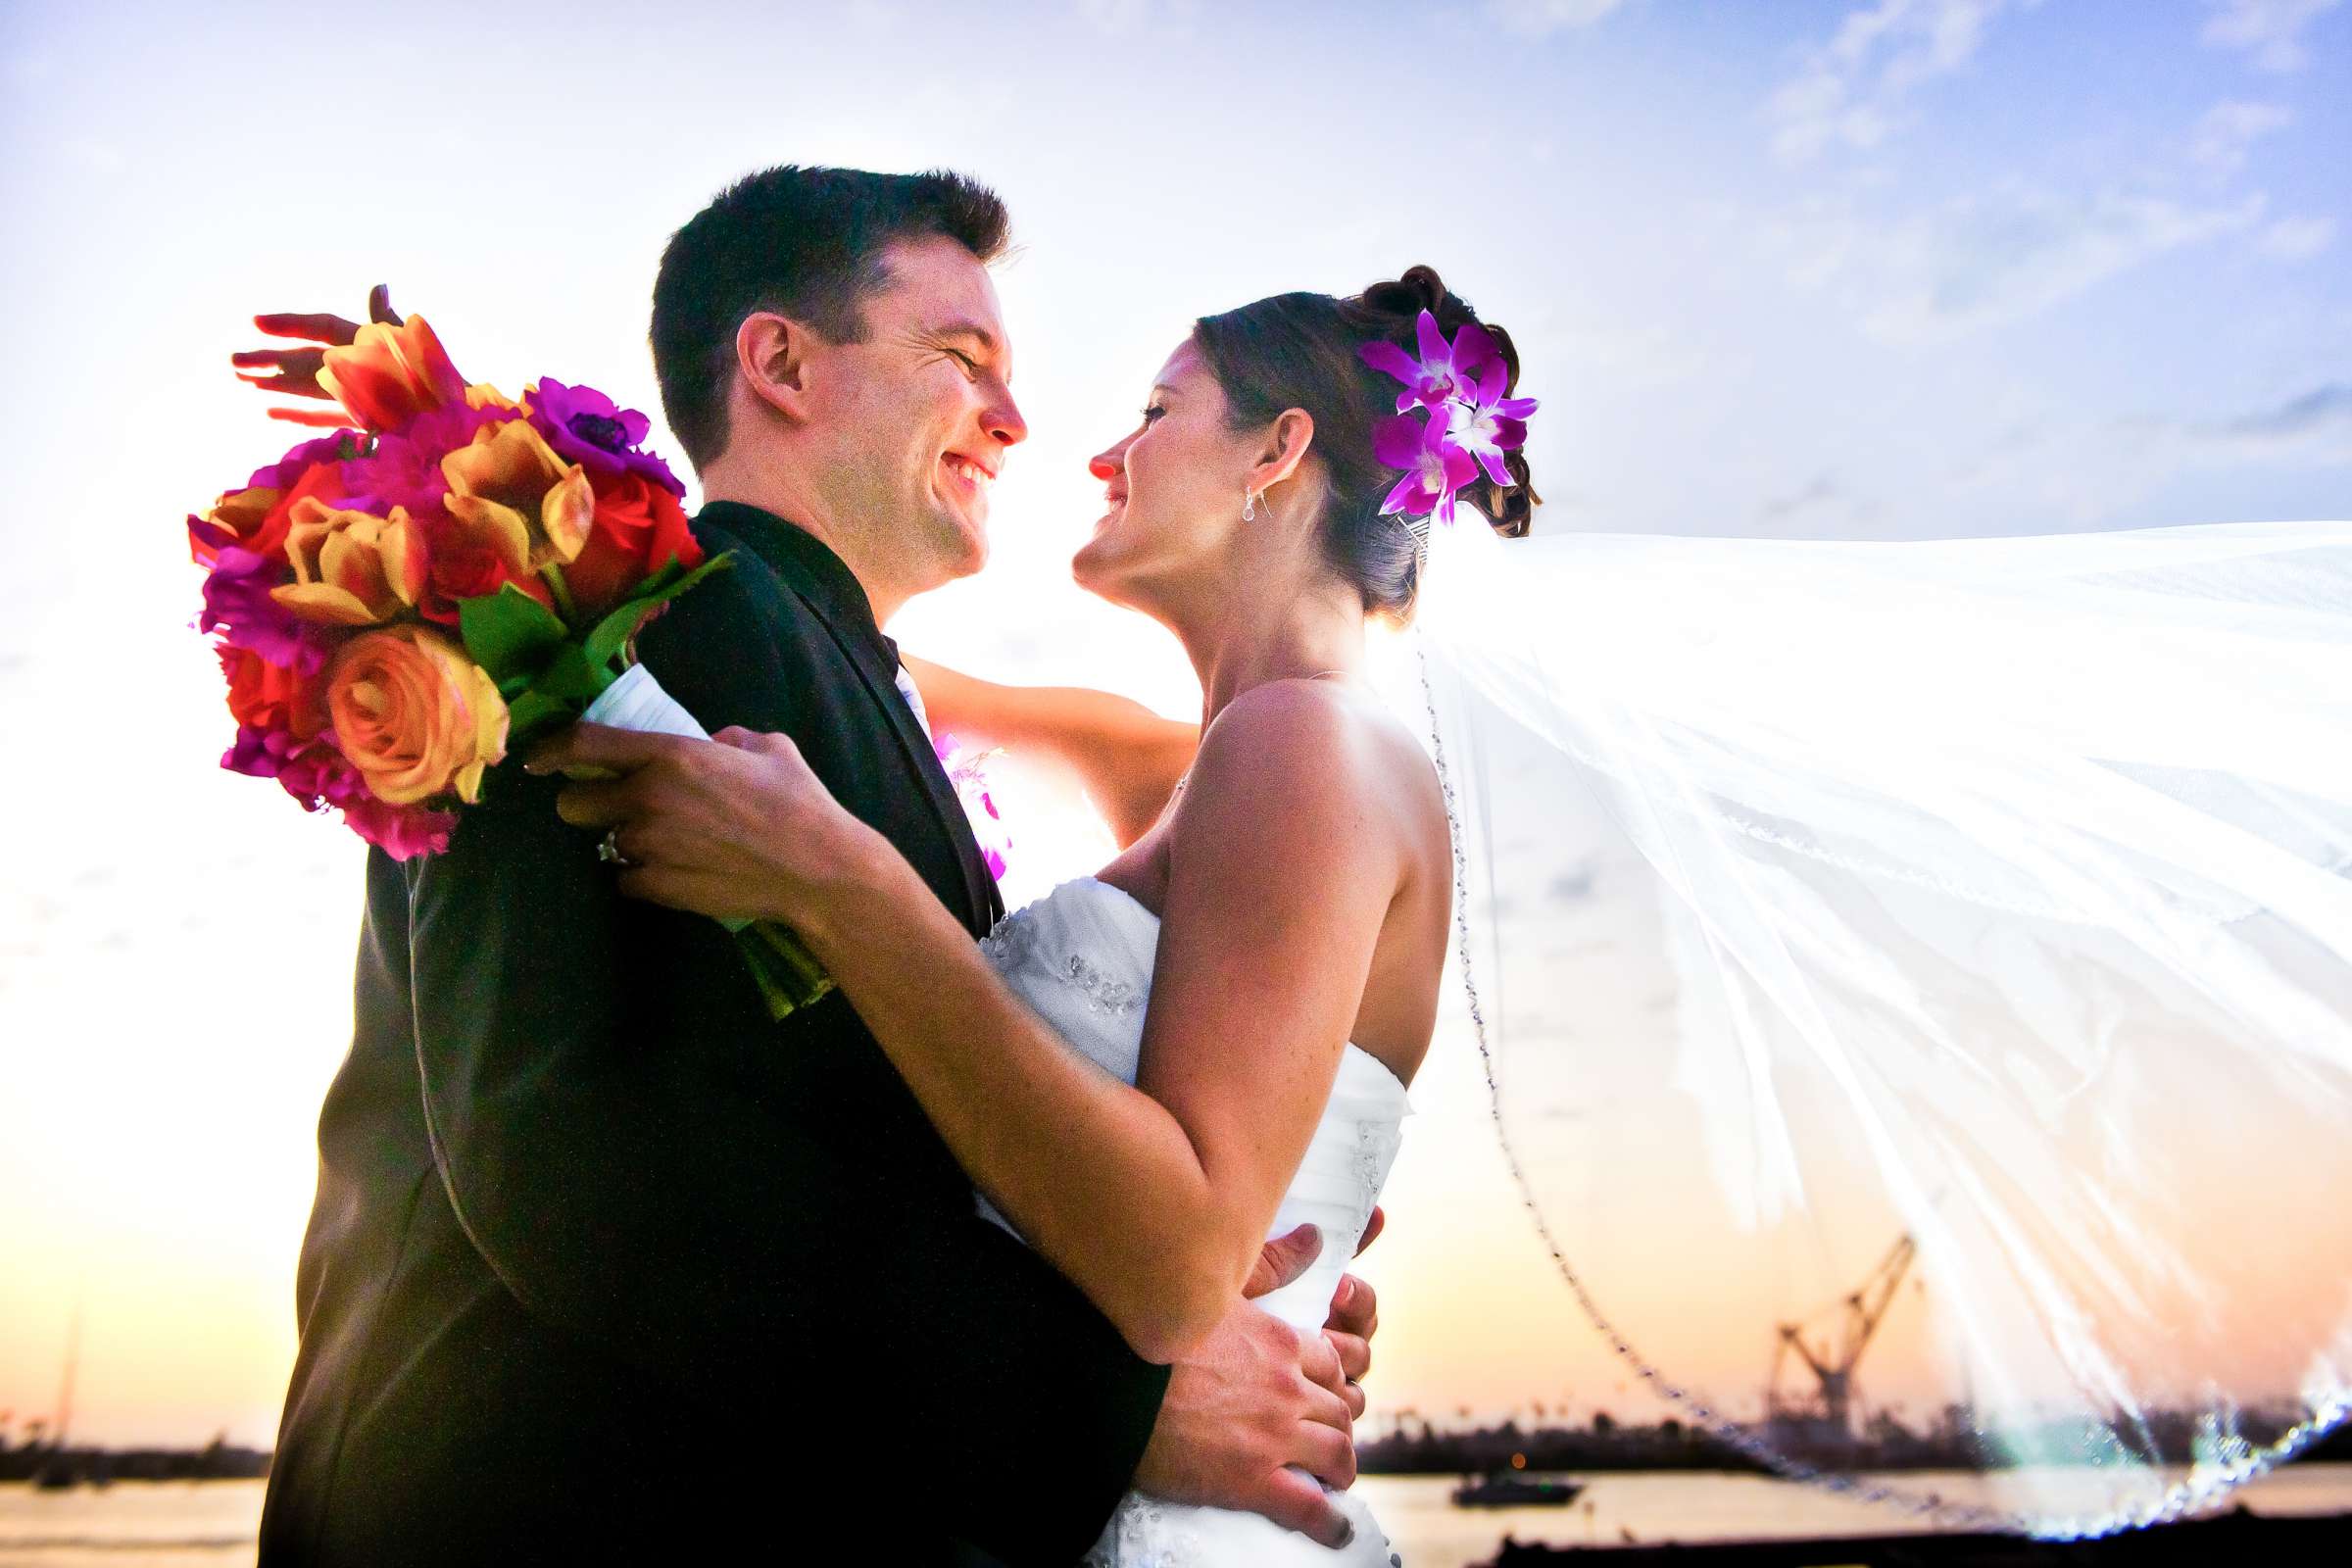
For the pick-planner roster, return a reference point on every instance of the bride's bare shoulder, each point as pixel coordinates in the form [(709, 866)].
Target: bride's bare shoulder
[(1312, 745)]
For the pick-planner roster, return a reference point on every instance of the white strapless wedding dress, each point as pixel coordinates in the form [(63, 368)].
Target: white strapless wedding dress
[(1081, 957)]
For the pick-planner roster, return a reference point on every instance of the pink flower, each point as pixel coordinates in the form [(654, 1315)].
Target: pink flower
[(1435, 465), (1444, 371), (1486, 425), (968, 772)]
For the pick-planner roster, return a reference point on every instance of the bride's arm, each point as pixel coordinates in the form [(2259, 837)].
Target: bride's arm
[(1156, 1204), (1127, 758)]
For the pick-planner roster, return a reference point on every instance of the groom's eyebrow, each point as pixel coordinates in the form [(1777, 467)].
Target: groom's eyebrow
[(971, 329)]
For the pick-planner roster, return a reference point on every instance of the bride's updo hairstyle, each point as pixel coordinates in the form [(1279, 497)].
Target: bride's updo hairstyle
[(1298, 351)]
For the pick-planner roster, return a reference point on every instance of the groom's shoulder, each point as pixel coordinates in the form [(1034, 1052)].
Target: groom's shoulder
[(746, 606), (739, 646)]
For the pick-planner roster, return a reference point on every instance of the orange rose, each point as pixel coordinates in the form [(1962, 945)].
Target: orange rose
[(414, 715), (352, 568), (509, 492), (390, 374), (637, 529)]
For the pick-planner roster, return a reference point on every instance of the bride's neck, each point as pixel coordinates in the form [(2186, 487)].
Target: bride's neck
[(1266, 631)]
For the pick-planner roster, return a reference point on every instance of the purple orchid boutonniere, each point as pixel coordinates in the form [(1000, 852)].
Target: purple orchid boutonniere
[(968, 771)]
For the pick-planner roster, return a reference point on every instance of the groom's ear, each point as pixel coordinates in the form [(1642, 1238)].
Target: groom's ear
[(772, 353)]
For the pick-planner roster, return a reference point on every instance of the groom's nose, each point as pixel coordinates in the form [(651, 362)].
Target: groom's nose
[(1004, 421)]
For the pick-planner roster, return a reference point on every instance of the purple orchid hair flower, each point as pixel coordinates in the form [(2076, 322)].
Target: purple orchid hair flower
[(589, 429), (1469, 422), (1487, 425), (1444, 371), (1435, 465)]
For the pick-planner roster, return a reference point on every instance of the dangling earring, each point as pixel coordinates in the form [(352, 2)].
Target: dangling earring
[(1249, 506)]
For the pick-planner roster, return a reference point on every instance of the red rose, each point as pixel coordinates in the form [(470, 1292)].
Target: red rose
[(271, 698), (259, 516), (462, 564), (638, 528)]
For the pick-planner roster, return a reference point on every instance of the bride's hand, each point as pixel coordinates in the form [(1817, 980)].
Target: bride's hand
[(735, 827), (295, 372)]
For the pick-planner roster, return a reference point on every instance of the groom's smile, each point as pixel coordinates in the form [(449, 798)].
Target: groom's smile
[(970, 478)]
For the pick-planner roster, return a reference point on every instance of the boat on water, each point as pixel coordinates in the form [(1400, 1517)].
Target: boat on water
[(64, 1471), (1508, 1489)]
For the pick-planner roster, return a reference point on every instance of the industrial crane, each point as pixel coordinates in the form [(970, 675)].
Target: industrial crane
[(1829, 1416)]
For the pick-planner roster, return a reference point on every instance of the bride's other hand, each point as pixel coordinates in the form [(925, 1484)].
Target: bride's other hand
[(1354, 1318), (294, 373), (1254, 1398), (736, 826)]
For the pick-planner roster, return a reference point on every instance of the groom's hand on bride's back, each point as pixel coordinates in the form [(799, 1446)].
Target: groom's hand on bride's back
[(1258, 1397)]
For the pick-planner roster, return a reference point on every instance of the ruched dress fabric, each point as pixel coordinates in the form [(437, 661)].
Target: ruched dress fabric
[(1082, 957)]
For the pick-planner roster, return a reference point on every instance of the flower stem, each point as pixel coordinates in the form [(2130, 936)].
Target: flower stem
[(560, 592)]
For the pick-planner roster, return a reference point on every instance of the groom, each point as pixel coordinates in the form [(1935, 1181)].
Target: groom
[(605, 1266)]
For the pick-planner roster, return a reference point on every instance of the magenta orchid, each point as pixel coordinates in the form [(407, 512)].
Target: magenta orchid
[(1435, 465), (1468, 426), (1486, 425), (1444, 371), (969, 772)]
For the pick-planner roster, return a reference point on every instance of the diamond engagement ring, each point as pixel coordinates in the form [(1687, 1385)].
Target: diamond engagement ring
[(608, 849)]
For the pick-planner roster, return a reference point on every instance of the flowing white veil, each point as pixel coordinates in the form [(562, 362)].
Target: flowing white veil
[(1955, 937)]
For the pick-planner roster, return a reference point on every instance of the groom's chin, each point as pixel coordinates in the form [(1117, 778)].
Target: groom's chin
[(966, 542)]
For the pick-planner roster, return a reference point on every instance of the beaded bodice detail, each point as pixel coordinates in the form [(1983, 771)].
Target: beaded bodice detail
[(1082, 957)]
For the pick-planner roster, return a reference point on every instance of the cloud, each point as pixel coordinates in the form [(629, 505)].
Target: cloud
[(1822, 509), (1983, 261), (2228, 131), (1539, 19), (2298, 239), (1852, 90), (2097, 474), (2314, 426), (2269, 31)]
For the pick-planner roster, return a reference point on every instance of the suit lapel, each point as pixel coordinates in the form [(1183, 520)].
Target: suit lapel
[(983, 904), (819, 578)]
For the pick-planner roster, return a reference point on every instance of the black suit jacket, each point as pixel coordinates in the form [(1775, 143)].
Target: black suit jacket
[(606, 1266)]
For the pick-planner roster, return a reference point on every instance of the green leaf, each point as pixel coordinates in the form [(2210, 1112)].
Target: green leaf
[(612, 633), (567, 673), (532, 712), (508, 632)]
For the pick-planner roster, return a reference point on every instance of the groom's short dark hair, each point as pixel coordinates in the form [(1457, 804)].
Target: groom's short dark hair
[(806, 243)]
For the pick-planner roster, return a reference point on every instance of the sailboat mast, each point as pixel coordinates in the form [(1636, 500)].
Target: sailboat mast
[(64, 1393)]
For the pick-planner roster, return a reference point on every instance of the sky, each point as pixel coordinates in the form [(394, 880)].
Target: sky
[(1838, 269)]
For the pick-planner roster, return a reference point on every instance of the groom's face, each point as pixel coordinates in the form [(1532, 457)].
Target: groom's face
[(921, 412)]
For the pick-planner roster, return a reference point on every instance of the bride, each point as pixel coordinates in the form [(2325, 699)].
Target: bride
[(1151, 1072)]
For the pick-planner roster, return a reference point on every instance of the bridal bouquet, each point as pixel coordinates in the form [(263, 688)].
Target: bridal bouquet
[(396, 604)]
